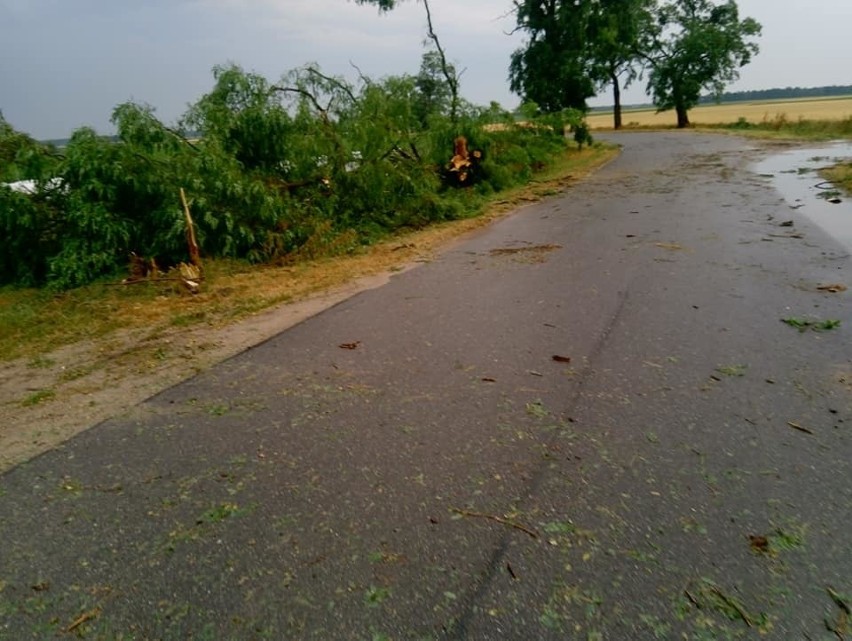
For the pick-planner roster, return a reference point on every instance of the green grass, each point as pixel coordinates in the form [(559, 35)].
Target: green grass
[(38, 397), (783, 128), (841, 176)]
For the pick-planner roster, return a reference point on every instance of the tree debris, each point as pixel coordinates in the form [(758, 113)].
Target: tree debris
[(498, 519), (710, 595), (353, 345), (833, 288), (561, 359), (798, 427), (86, 616), (802, 324), (841, 625), (759, 543)]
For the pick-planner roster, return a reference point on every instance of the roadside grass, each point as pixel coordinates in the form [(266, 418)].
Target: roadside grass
[(35, 322), (841, 176)]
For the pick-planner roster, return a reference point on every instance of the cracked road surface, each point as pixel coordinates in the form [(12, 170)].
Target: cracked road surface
[(414, 463)]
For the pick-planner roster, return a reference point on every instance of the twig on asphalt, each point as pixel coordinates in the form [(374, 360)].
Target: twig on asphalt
[(482, 515), (732, 604), (86, 616), (796, 426), (692, 599)]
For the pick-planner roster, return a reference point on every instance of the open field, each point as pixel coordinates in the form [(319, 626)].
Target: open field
[(754, 112)]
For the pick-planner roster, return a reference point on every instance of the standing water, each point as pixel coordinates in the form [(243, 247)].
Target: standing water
[(795, 174)]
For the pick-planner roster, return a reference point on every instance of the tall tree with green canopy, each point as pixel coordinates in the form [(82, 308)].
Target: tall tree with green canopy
[(697, 45), (616, 31), (434, 94), (553, 69)]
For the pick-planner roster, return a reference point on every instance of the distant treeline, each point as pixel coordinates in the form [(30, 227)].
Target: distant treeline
[(786, 93)]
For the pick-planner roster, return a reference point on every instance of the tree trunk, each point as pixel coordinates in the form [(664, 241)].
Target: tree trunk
[(682, 117), (616, 101)]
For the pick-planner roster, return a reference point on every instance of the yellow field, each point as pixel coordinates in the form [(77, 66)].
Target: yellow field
[(792, 110)]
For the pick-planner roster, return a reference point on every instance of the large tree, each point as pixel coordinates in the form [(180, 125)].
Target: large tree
[(616, 33), (697, 46), (553, 68)]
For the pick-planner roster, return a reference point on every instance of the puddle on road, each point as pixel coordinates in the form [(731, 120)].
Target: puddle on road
[(794, 174)]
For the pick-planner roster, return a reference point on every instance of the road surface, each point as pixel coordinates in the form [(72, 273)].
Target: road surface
[(587, 422)]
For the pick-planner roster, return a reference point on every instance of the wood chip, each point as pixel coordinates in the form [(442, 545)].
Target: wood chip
[(833, 289), (798, 427)]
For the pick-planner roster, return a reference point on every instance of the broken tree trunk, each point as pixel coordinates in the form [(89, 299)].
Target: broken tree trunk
[(194, 255)]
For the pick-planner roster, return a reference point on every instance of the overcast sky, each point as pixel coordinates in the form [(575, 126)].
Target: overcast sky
[(68, 63)]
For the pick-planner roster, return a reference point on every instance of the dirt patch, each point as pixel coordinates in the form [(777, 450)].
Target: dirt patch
[(530, 255)]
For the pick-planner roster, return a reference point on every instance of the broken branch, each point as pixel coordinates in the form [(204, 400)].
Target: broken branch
[(798, 427), (194, 255), (86, 616), (731, 603), (492, 517)]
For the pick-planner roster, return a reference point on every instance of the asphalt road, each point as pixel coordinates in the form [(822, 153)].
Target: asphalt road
[(414, 464)]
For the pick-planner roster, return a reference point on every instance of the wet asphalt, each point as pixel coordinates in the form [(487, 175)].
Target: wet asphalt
[(414, 464)]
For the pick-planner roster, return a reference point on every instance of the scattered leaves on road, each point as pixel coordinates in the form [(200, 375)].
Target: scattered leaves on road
[(706, 595), (803, 324), (561, 359), (759, 543), (670, 246), (353, 345), (732, 370), (834, 288)]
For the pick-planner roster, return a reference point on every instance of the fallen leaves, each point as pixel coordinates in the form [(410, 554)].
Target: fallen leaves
[(670, 246), (732, 370), (561, 359), (705, 594), (531, 254), (353, 345), (758, 543), (841, 626), (803, 324), (507, 251)]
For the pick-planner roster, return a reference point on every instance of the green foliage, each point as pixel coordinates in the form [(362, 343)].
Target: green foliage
[(434, 95), (615, 34), (553, 69), (697, 45), (310, 164)]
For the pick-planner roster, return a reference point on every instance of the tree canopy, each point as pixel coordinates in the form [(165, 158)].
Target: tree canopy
[(615, 33), (553, 68), (696, 45), (576, 47)]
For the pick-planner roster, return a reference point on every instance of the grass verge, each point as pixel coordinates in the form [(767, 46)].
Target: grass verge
[(841, 176), (35, 322)]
